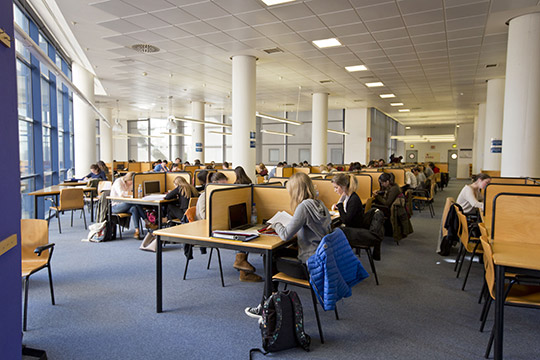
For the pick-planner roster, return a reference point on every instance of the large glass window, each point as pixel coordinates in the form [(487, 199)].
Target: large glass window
[(138, 143), (24, 90), (26, 147), (160, 143)]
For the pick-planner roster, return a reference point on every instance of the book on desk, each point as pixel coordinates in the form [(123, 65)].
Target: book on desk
[(239, 235)]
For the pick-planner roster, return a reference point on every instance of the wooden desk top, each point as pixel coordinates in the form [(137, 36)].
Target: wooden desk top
[(55, 190), (524, 256), (198, 230), (74, 183), (138, 201)]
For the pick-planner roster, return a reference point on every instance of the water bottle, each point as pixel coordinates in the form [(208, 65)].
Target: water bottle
[(139, 192), (253, 214)]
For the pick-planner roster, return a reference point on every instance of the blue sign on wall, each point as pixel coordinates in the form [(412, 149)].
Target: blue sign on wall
[(496, 150), (252, 144), (198, 144), (252, 134), (198, 149), (496, 142)]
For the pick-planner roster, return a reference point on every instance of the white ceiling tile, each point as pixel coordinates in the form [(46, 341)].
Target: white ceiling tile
[(426, 29), (288, 39), (364, 47), (368, 54), (205, 10), (124, 40), (395, 43), (234, 46), (147, 21), (238, 6), (400, 50), (307, 23), (390, 34), (465, 33), (273, 29), (226, 23), (464, 23), (260, 43), (121, 26), (217, 38), (150, 5), (364, 3), (424, 17), (199, 28), (424, 39), (117, 8), (415, 6), (467, 10), (316, 34), (124, 51), (172, 32), (356, 39), (376, 12), (244, 33), (476, 41), (421, 48), (169, 45), (384, 24), (174, 16), (402, 57), (291, 11), (147, 36), (340, 17), (192, 41), (498, 38), (325, 6), (257, 17), (350, 29)]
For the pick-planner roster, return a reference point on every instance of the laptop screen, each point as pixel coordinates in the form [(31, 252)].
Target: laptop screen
[(237, 215), (151, 187)]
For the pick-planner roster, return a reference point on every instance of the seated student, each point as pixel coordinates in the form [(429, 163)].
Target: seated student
[(158, 167), (95, 173), (420, 177), (350, 207), (470, 197), (410, 180), (225, 165), (263, 171), (272, 172), (182, 193), (387, 195), (103, 167), (428, 171), (381, 163), (241, 176), (122, 188), (310, 223), (165, 165), (200, 212), (178, 162), (434, 168)]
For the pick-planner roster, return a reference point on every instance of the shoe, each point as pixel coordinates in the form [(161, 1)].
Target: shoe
[(150, 225), (254, 312), (241, 263), (249, 276), (136, 234)]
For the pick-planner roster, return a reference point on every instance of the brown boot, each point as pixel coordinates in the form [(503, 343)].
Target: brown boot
[(136, 234), (241, 263), (249, 276)]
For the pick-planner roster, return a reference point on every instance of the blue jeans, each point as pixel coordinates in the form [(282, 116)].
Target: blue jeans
[(136, 211)]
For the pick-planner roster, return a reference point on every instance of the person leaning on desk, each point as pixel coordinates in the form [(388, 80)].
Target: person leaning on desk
[(95, 173), (122, 188)]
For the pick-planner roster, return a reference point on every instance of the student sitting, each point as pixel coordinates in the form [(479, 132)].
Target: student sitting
[(158, 167), (387, 195), (103, 167), (470, 197), (182, 193), (95, 173), (263, 171), (350, 207), (241, 176), (122, 188), (410, 179)]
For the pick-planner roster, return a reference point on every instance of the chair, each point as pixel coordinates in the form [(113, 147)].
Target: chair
[(423, 198), (193, 202), (70, 199), (515, 294), (470, 245), (190, 215), (101, 186), (295, 266), (370, 257), (34, 244)]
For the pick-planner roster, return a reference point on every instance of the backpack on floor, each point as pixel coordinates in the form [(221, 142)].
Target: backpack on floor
[(282, 325)]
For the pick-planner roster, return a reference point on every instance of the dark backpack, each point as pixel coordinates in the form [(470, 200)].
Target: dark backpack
[(282, 325)]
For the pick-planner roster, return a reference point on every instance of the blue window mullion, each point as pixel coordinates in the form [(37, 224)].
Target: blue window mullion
[(65, 111), (54, 120)]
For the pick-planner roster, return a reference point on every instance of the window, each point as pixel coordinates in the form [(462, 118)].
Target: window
[(273, 155), (138, 146)]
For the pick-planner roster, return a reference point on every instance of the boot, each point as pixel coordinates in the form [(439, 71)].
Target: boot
[(136, 234), (241, 263), (249, 276)]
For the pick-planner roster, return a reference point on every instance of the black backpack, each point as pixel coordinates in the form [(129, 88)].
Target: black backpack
[(282, 325)]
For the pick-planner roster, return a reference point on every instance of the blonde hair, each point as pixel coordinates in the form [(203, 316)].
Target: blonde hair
[(348, 181), (128, 176), (187, 190), (300, 188)]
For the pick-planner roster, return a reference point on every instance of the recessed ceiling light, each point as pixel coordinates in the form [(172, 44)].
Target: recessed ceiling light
[(404, 110), (356, 68), (374, 84), (407, 128), (325, 43), (457, 125), (396, 104), (387, 96), (276, 2)]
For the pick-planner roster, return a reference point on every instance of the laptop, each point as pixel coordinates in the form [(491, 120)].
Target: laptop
[(238, 218), (151, 187)]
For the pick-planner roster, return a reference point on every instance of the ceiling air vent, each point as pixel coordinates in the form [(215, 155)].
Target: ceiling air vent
[(273, 50), (325, 81), (145, 48), (491, 66), (358, 100)]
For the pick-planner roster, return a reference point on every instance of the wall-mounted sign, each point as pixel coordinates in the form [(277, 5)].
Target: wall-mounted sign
[(252, 144), (252, 134), (369, 139), (198, 149), (496, 146), (198, 144)]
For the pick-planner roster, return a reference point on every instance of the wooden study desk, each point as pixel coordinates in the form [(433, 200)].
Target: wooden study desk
[(73, 183), (140, 201), (55, 191), (510, 257), (197, 233)]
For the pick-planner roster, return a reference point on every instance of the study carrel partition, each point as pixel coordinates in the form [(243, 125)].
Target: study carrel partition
[(140, 178), (219, 198), (375, 179), (365, 186), (508, 180), (326, 192), (515, 218), (269, 200), (399, 175), (230, 174), (170, 176), (196, 181)]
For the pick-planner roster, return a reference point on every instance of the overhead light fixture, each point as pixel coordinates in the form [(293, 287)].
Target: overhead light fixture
[(280, 119), (221, 133), (326, 43), (170, 125), (396, 104), (276, 132), (404, 110), (387, 96), (457, 125), (375, 84), (275, 2), (337, 132), (425, 138), (117, 127), (197, 121), (407, 128), (354, 68), (174, 134)]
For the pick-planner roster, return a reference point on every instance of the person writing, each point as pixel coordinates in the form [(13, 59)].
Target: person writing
[(470, 197), (95, 173), (103, 167), (387, 195), (122, 188), (350, 207), (182, 192)]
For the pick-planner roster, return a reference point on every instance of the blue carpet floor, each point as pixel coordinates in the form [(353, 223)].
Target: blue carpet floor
[(105, 295)]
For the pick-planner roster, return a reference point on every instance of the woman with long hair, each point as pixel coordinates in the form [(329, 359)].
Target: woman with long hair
[(470, 197), (182, 192), (241, 176), (350, 207)]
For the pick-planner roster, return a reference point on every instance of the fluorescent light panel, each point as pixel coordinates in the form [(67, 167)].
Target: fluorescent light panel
[(276, 132), (326, 43), (404, 110), (337, 132), (197, 121), (277, 118), (374, 84), (275, 2), (396, 104), (220, 132), (387, 96), (175, 134), (354, 68), (425, 138)]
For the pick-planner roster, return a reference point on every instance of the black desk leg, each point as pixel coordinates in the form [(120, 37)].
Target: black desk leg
[(92, 207), (499, 311), (159, 277), (159, 216), (36, 207)]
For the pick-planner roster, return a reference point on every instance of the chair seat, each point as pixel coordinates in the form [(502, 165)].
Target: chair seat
[(30, 266), (524, 295), (58, 208), (423, 198), (122, 215), (291, 280)]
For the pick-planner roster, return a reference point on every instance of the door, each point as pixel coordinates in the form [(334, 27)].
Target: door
[(411, 156), (452, 163)]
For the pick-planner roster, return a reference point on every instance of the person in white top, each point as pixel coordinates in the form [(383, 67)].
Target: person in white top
[(420, 177), (470, 197), (121, 188), (410, 179)]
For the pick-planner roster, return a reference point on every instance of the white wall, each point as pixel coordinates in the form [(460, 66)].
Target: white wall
[(465, 140), (440, 148), (357, 124), (120, 146)]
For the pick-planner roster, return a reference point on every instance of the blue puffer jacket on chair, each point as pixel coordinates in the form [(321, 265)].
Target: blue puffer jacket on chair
[(334, 269)]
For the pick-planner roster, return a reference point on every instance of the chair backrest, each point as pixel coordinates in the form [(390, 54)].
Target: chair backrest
[(463, 227), (447, 205), (190, 213), (488, 265), (193, 202), (34, 233), (71, 198)]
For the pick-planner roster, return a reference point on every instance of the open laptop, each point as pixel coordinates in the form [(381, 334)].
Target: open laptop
[(151, 187), (238, 218)]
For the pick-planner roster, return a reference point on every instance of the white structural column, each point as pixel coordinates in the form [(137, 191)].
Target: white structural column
[(493, 124), (319, 131), (243, 112), (521, 129), (358, 125), (105, 137), (84, 122), (197, 136), (478, 144)]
